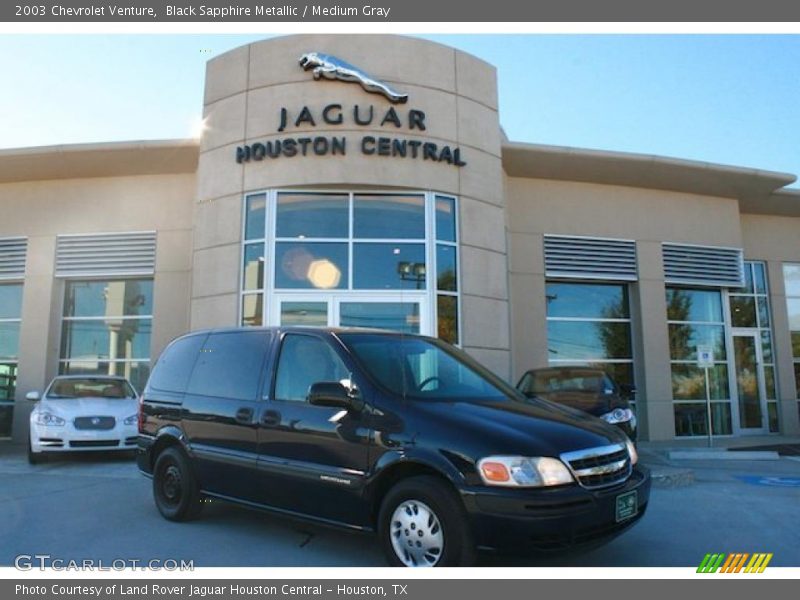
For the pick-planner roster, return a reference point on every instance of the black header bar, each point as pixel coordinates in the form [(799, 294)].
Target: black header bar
[(400, 11)]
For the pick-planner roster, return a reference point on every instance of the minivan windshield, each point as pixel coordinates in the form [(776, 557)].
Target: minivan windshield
[(424, 369), (65, 388)]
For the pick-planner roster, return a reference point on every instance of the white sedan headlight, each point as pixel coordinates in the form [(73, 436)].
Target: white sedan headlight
[(132, 420), (618, 415), (48, 419), (523, 471)]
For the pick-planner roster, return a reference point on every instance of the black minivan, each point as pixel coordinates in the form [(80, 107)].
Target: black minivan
[(403, 435)]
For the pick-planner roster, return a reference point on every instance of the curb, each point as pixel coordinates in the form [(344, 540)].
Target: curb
[(722, 455)]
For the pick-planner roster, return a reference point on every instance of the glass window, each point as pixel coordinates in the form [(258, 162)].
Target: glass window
[(692, 419), (106, 328), (694, 305), (10, 301), (9, 340), (389, 266), (447, 310), (389, 216), (8, 382), (304, 361), (445, 219), (174, 366), (743, 311), (119, 298), (590, 301), (310, 265), (255, 216), (253, 310), (312, 216), (685, 337), (446, 280), (312, 314), (588, 340), (10, 322), (791, 275), (123, 339), (394, 316), (230, 365), (253, 270), (689, 383)]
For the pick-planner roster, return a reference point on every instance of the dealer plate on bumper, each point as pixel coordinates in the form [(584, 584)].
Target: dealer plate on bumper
[(627, 506)]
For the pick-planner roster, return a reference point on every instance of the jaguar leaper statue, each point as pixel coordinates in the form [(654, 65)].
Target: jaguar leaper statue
[(330, 67)]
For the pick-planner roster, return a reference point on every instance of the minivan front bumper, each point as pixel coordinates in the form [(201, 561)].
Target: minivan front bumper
[(541, 520)]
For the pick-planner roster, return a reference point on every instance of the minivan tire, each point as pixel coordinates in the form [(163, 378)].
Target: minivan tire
[(425, 511), (175, 487)]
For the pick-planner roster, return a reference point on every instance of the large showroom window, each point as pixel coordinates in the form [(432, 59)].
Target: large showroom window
[(750, 315), (385, 260), (791, 275), (695, 317), (106, 328), (590, 324), (10, 318)]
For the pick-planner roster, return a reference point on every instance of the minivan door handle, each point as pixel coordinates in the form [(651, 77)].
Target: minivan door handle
[(244, 415), (271, 418)]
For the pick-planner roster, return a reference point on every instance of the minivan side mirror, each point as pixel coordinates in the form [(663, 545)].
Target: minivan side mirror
[(334, 395), (33, 396)]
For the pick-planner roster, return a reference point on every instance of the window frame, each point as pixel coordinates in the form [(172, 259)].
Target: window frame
[(15, 361), (629, 320), (63, 363), (268, 292)]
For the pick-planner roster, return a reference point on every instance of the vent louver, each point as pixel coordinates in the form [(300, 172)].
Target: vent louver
[(590, 258), (13, 253), (131, 253), (703, 265)]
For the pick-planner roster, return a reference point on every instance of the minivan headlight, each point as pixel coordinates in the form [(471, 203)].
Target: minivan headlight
[(632, 451), (523, 471), (49, 419), (132, 420)]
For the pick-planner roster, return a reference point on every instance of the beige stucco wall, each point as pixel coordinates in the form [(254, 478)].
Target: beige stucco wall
[(776, 240), (41, 210), (537, 207), (247, 87)]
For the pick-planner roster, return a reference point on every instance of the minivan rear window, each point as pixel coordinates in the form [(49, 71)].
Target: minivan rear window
[(230, 365), (420, 369), (174, 366)]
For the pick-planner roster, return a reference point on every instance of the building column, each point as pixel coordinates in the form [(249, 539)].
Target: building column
[(38, 343), (651, 346), (782, 348)]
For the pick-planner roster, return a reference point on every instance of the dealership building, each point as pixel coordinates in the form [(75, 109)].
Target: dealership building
[(386, 195)]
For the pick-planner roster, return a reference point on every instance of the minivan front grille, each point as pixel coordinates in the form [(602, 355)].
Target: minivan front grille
[(599, 467)]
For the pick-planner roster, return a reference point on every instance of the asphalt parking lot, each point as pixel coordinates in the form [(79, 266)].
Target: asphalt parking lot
[(99, 507)]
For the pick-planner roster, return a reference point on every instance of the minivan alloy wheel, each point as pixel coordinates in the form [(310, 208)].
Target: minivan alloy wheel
[(417, 534)]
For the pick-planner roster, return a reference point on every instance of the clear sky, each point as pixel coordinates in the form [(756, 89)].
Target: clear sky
[(731, 99)]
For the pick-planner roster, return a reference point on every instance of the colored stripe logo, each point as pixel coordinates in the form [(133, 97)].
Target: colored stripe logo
[(735, 563)]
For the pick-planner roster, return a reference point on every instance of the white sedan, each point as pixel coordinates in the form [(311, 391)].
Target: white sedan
[(80, 412)]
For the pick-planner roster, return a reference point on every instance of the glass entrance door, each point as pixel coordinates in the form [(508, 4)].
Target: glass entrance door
[(405, 314), (749, 377)]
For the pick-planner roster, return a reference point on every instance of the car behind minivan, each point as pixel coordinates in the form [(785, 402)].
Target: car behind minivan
[(397, 434)]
